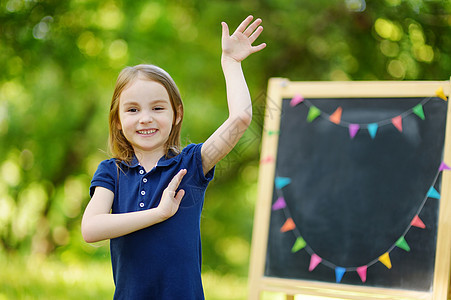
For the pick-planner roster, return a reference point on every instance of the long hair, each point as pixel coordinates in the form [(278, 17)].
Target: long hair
[(119, 146)]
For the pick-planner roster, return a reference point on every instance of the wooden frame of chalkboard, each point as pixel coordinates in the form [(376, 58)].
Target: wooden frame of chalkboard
[(261, 278)]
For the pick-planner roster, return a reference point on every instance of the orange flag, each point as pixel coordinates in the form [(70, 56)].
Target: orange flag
[(397, 122), (288, 225), (336, 116), (417, 222)]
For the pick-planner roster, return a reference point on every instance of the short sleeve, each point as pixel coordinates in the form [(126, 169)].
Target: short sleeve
[(193, 153), (105, 176)]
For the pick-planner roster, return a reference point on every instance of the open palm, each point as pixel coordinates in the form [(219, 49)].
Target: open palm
[(238, 46)]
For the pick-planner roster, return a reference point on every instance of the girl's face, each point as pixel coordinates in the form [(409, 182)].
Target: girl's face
[(146, 116)]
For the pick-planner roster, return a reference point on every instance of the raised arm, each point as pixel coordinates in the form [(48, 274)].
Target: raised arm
[(235, 48)]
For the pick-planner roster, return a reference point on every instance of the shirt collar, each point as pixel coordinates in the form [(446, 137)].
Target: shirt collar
[(164, 161)]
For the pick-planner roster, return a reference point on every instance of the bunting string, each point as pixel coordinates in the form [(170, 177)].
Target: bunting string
[(353, 127), (335, 117), (300, 243)]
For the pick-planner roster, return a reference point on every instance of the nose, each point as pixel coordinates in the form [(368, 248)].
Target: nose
[(145, 118)]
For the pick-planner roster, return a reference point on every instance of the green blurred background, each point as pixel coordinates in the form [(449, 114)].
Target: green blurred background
[(59, 61)]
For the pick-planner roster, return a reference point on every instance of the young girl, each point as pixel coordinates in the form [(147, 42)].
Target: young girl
[(135, 197)]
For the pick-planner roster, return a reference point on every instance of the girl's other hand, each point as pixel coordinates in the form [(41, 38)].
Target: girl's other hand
[(170, 200), (238, 46)]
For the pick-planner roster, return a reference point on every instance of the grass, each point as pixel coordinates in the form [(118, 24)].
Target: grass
[(46, 278), (39, 277)]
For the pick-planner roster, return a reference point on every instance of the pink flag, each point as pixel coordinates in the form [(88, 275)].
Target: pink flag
[(353, 128), (314, 261), (296, 100), (444, 166), (279, 204), (362, 272)]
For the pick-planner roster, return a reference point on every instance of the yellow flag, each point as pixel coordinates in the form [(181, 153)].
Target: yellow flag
[(385, 259), (440, 93)]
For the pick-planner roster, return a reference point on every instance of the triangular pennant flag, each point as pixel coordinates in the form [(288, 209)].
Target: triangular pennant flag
[(432, 193), (418, 110), (362, 272), (416, 221), (402, 243), (298, 245), (296, 100), (440, 93), (288, 225), (353, 128), (372, 129), (313, 113), (444, 166), (336, 116), (385, 259), (279, 204), (397, 122), (339, 272), (282, 182), (314, 261)]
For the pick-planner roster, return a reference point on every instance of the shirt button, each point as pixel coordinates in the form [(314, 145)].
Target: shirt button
[(141, 172), (145, 180), (141, 204), (143, 193)]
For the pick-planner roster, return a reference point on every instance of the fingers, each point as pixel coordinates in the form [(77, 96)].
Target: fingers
[(247, 31), (255, 34), (252, 27), (244, 24), (174, 184), (225, 29), (239, 45), (258, 48), (179, 196)]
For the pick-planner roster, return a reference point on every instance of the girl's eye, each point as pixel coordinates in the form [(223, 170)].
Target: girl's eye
[(132, 110), (158, 108)]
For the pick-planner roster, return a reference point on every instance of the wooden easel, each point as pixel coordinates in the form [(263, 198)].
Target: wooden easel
[(279, 89)]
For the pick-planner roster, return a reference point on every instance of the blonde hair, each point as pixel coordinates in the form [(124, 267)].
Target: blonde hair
[(119, 146)]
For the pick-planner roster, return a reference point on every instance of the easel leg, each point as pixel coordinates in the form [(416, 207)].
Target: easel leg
[(290, 297)]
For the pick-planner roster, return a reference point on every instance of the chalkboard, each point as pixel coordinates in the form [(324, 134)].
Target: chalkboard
[(353, 191)]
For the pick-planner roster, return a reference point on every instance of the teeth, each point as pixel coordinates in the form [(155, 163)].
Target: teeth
[(147, 131)]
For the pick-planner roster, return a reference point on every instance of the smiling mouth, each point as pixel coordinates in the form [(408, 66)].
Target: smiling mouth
[(150, 131)]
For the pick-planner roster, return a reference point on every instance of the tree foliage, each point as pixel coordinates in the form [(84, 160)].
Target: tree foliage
[(59, 61)]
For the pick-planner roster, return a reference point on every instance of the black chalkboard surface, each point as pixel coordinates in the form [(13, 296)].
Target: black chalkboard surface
[(347, 193), (351, 199)]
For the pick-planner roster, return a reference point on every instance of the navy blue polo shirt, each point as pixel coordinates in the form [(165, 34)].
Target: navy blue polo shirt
[(162, 261)]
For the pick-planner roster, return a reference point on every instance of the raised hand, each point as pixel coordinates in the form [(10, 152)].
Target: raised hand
[(170, 201), (238, 46)]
